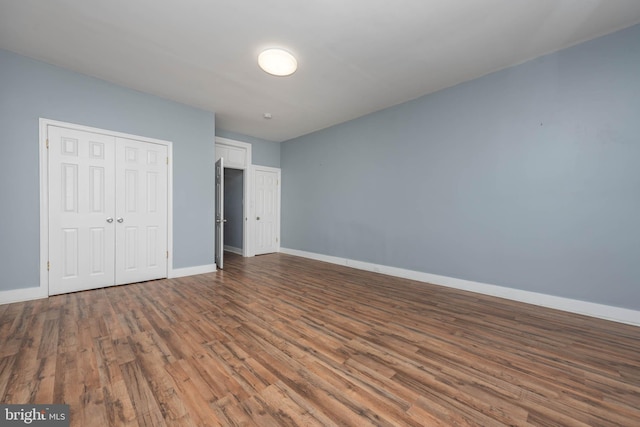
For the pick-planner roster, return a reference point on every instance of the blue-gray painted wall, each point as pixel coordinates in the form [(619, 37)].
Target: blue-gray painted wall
[(527, 178), (30, 90)]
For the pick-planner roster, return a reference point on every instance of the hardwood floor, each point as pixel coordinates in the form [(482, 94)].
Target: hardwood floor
[(280, 340)]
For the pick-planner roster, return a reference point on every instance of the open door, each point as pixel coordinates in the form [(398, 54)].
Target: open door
[(220, 213)]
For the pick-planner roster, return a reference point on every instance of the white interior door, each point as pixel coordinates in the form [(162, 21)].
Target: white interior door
[(141, 211), (81, 210), (220, 220), (267, 209)]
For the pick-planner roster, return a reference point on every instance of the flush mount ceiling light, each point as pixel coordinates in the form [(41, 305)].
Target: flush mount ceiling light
[(278, 62)]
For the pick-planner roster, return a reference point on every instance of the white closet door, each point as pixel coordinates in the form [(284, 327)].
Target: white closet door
[(81, 210), (267, 208), (141, 211)]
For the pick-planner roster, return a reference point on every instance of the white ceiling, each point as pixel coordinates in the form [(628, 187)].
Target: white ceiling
[(354, 56)]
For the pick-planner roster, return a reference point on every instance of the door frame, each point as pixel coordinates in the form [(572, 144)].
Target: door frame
[(44, 191), (247, 197)]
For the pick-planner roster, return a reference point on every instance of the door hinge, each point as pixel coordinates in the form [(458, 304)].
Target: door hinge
[(277, 240), (167, 254), (167, 160), (47, 143), (48, 265)]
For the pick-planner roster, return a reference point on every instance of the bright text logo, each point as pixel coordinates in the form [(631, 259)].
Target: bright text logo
[(34, 415)]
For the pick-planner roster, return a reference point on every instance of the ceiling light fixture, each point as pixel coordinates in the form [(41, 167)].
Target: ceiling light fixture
[(277, 62)]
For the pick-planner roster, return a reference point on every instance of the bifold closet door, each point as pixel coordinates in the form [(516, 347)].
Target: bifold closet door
[(141, 211), (81, 210), (107, 210)]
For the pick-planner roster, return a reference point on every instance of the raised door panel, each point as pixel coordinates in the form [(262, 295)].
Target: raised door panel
[(81, 208), (234, 157), (141, 211)]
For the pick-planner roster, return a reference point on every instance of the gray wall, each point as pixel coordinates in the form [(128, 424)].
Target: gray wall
[(31, 89), (527, 178), (263, 152), (233, 191)]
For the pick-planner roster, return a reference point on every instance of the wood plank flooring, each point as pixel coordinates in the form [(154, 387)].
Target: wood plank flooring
[(278, 340)]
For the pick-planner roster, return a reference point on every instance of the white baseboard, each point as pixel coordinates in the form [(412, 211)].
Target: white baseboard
[(192, 271), (616, 314), (233, 249), (25, 294)]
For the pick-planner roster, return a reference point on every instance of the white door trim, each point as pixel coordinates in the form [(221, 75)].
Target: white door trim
[(252, 222), (247, 242), (44, 191)]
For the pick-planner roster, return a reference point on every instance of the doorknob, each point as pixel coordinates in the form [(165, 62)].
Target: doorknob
[(109, 220), (258, 218), (218, 221), (120, 220)]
